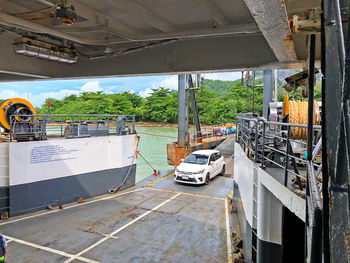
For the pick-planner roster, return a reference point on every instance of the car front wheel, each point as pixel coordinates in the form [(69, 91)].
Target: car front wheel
[(207, 179), (223, 170)]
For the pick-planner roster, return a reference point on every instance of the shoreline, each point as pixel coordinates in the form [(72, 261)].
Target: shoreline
[(156, 124), (164, 125)]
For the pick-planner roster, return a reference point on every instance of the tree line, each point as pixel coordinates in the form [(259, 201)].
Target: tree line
[(217, 101)]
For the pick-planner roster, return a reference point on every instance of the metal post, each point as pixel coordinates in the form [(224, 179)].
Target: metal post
[(253, 88), (97, 127), (182, 111), (256, 142), (194, 105), (237, 126), (325, 178), (267, 92), (275, 85), (287, 158), (79, 125), (337, 170), (10, 128), (133, 125), (311, 81), (263, 147), (61, 126)]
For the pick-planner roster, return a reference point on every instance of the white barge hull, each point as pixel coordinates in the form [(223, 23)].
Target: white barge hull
[(59, 171)]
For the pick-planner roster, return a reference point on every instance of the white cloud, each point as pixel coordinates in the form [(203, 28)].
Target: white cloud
[(4, 94), (223, 76), (146, 93), (170, 82), (38, 99), (131, 91), (91, 86)]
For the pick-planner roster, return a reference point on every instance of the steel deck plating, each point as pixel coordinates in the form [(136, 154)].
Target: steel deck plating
[(155, 221)]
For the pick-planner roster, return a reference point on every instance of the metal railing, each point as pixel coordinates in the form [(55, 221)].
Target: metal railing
[(269, 143), (214, 132), (40, 127)]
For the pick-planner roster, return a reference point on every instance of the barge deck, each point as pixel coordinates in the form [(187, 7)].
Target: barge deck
[(154, 221)]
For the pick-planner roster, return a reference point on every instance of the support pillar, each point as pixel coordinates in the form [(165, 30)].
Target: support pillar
[(194, 106), (182, 118), (268, 91)]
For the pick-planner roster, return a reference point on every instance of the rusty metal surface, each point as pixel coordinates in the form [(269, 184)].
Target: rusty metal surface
[(181, 227), (272, 19)]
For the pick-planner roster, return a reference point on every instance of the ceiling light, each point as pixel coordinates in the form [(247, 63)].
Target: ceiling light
[(39, 49)]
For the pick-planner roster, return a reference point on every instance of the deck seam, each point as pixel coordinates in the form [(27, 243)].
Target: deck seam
[(120, 229), (71, 206)]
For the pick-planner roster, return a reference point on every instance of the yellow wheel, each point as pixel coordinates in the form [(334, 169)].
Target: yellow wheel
[(15, 106)]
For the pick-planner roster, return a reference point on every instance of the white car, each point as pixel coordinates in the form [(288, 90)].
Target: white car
[(199, 167)]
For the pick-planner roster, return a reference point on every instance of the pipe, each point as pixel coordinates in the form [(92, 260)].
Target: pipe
[(19, 22), (250, 28)]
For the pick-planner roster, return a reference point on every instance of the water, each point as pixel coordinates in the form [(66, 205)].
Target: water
[(153, 148)]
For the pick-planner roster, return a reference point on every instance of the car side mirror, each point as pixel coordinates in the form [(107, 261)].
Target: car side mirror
[(182, 159)]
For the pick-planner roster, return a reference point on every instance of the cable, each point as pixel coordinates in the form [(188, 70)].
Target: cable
[(154, 170), (128, 173), (158, 135)]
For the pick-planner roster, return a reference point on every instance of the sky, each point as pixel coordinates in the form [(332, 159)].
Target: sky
[(38, 91)]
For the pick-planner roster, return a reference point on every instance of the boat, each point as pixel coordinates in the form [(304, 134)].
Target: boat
[(51, 160)]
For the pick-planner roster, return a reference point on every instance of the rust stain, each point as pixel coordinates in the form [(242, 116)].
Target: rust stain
[(289, 38), (347, 240), (128, 210), (133, 216), (283, 3)]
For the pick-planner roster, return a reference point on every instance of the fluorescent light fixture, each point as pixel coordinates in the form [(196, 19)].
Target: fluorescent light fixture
[(43, 50)]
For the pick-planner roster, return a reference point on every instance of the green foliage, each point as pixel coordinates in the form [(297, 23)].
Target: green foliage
[(218, 102), (219, 87), (161, 106), (296, 95)]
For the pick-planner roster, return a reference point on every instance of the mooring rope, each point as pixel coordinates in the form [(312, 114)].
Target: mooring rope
[(158, 135)]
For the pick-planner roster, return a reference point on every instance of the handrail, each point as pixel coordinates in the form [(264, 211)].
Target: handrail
[(314, 190), (40, 126), (252, 134)]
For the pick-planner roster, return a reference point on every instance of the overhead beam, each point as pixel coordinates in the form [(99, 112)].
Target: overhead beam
[(240, 29), (271, 17), (135, 8), (212, 10), (23, 74), (34, 27), (99, 18), (93, 15)]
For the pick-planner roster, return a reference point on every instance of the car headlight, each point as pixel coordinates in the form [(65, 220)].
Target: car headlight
[(199, 172), (177, 170)]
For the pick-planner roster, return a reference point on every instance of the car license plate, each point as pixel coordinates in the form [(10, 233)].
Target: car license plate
[(185, 177)]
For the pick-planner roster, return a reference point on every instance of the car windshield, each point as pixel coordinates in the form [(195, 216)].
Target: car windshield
[(196, 159)]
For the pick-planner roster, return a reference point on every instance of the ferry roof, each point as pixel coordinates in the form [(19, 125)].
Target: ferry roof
[(138, 37)]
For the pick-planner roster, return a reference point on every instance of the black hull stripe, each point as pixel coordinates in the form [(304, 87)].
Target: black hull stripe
[(34, 196)]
